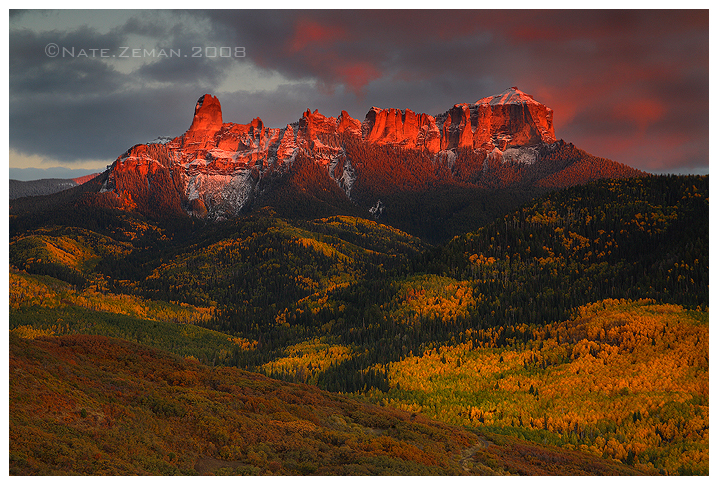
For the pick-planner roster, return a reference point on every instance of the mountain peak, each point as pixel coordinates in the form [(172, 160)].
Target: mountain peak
[(512, 95)]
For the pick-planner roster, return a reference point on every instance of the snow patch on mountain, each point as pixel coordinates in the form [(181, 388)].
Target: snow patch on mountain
[(222, 194), (348, 175), (446, 157), (162, 140), (523, 155), (512, 95), (378, 210)]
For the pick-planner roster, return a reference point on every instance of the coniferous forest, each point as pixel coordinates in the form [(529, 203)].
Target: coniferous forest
[(566, 334)]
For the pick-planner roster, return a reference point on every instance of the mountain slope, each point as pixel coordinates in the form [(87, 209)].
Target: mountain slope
[(346, 303), (286, 282), (218, 169), (622, 379), (93, 405), (644, 237)]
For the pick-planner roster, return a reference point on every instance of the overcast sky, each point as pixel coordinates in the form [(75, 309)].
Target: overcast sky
[(84, 86)]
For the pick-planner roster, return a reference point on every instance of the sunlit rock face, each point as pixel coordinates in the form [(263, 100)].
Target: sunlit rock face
[(402, 128), (207, 117), (207, 121), (510, 119), (215, 168)]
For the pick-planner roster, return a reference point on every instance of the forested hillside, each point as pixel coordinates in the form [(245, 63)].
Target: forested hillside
[(629, 239), (438, 198), (85, 405), (597, 293), (645, 237), (623, 380)]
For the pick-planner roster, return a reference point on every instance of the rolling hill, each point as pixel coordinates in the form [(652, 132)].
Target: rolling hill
[(97, 406), (559, 294)]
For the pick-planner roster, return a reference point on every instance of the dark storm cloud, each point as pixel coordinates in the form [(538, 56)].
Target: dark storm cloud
[(354, 49), (148, 27), (425, 61), (32, 71), (626, 85), (74, 107), (278, 107), (202, 70), (176, 34), (91, 128)]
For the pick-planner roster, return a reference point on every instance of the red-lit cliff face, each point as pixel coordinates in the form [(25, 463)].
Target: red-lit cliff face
[(510, 119), (402, 128), (216, 169)]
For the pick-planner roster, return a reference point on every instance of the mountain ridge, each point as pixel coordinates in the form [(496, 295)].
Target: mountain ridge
[(476, 159), (45, 186), (216, 168)]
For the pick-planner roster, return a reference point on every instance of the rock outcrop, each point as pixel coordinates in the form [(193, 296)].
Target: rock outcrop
[(510, 119), (402, 128), (215, 168), (207, 121)]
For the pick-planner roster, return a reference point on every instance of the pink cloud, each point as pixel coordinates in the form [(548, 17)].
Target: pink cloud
[(642, 112), (357, 75), (310, 34)]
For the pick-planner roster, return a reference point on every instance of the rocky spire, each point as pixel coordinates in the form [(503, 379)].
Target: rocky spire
[(207, 119)]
